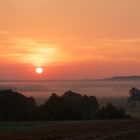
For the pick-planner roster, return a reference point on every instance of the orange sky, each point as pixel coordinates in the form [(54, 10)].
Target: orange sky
[(70, 39)]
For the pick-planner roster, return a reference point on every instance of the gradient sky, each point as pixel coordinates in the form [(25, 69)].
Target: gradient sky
[(70, 39)]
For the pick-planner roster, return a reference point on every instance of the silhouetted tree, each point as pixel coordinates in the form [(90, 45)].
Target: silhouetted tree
[(90, 107), (111, 112), (52, 107), (15, 106), (70, 106), (134, 96)]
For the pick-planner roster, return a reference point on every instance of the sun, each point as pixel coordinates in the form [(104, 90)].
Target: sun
[(39, 70)]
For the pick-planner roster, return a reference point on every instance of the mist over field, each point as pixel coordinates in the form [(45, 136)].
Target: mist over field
[(100, 89)]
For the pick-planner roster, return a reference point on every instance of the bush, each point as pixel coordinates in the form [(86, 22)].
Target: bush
[(111, 112)]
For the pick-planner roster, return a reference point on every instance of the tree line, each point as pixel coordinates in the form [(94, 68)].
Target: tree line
[(70, 106)]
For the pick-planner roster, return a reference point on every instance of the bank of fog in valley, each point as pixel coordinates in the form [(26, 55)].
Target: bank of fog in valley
[(115, 92), (70, 106)]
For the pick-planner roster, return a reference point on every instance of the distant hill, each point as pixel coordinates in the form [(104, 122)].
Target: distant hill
[(123, 78)]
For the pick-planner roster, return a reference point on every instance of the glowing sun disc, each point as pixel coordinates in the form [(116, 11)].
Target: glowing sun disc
[(39, 70)]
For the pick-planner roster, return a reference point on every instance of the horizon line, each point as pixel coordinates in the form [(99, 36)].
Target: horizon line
[(86, 79)]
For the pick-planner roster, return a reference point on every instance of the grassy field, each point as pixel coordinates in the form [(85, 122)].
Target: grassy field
[(88, 130)]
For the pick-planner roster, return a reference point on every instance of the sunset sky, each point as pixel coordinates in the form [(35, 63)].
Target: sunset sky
[(70, 39)]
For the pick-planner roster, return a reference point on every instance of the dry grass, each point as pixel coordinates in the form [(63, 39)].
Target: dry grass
[(91, 130)]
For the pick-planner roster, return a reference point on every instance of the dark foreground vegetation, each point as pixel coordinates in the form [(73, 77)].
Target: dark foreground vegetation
[(82, 130), (70, 106)]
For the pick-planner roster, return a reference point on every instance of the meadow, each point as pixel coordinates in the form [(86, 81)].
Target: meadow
[(74, 130)]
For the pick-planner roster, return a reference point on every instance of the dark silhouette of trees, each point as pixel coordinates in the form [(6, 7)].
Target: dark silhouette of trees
[(53, 107), (90, 107), (134, 96), (111, 112), (70, 106), (15, 106)]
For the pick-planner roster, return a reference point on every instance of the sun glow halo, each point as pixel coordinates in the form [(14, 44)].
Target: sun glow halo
[(39, 70)]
